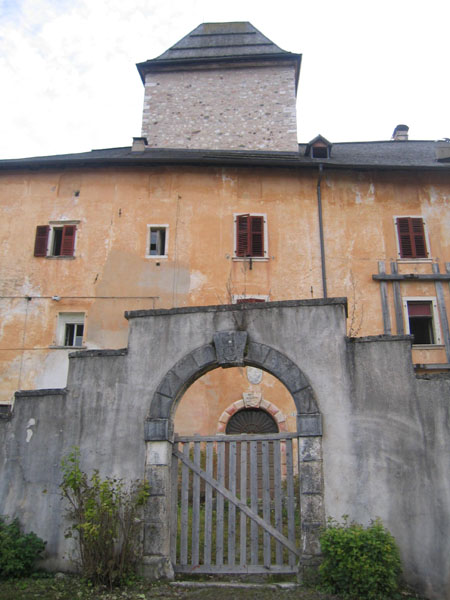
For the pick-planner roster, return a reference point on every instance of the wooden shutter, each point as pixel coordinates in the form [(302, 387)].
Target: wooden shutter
[(41, 240), (411, 237), (243, 235), (257, 236), (249, 300), (68, 240)]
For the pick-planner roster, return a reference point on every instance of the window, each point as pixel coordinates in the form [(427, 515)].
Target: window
[(251, 236), (422, 320), (70, 330), (55, 240), (248, 299), (157, 240), (411, 237)]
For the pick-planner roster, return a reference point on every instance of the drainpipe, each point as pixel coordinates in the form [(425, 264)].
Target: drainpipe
[(322, 243)]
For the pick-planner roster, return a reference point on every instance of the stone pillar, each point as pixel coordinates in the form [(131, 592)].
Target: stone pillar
[(157, 563), (311, 500)]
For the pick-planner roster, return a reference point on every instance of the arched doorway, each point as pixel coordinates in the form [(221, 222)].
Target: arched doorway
[(221, 523)]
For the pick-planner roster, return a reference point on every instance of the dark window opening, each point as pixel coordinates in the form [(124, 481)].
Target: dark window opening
[(421, 322), (251, 420), (73, 334), (157, 241), (319, 152), (57, 241)]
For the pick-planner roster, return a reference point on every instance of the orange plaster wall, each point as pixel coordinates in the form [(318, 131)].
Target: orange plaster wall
[(110, 272)]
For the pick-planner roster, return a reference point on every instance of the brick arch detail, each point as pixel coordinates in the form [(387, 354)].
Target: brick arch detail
[(269, 407)]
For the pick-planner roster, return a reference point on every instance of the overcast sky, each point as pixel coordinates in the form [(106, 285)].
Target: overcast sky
[(68, 81)]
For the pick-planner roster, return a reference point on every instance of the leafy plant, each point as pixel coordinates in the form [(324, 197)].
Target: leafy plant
[(106, 521), (18, 551), (359, 562)]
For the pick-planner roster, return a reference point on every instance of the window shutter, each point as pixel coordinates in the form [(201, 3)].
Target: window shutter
[(419, 238), (249, 300), (41, 240), (257, 236), (68, 240), (411, 237), (242, 235)]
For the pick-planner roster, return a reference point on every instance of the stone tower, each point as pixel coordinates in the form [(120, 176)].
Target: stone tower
[(224, 86)]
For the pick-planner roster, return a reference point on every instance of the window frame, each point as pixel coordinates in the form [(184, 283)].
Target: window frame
[(434, 316), (265, 238), (69, 318), (258, 297), (166, 241), (51, 227), (401, 258)]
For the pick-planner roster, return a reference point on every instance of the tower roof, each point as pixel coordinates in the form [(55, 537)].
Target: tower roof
[(219, 42)]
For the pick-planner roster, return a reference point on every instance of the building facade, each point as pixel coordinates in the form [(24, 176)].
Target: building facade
[(217, 203)]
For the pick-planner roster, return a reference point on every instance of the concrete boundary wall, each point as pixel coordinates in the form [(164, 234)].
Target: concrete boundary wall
[(383, 434)]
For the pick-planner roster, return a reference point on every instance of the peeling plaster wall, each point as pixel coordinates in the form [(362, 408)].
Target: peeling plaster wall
[(385, 433)]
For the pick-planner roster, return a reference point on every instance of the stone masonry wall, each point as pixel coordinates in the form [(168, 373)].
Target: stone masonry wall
[(239, 108)]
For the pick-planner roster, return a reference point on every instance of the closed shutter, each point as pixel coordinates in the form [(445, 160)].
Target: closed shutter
[(249, 300), (411, 237), (249, 235), (68, 240), (41, 240)]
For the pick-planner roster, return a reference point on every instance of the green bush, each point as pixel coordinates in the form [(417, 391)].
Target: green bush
[(106, 522), (18, 551), (359, 562)]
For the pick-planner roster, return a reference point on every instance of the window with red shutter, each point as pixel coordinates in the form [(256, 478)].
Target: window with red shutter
[(411, 237), (250, 236), (62, 240), (249, 300), (41, 240)]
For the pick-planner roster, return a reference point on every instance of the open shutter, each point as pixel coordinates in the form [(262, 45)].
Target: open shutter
[(41, 240), (68, 240), (257, 236), (419, 238), (243, 235), (411, 236)]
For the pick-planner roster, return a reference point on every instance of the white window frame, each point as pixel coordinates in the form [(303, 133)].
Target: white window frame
[(266, 239), (166, 244), (69, 318), (434, 313), (51, 237), (427, 240), (236, 297)]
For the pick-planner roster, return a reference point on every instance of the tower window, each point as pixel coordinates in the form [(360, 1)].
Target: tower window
[(422, 320), (157, 240)]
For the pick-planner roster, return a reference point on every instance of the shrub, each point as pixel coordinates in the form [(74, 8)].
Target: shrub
[(18, 551), (106, 521), (359, 562)]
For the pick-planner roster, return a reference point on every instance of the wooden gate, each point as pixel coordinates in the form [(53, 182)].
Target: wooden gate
[(235, 504)]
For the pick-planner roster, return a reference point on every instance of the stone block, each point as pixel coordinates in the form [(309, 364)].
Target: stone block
[(311, 478), (158, 453), (156, 429), (185, 369), (310, 448), (305, 401), (256, 353), (154, 568), (158, 480), (160, 406), (309, 425), (170, 385), (230, 346), (205, 356), (312, 508)]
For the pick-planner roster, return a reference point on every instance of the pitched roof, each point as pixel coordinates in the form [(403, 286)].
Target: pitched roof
[(223, 42), (385, 155)]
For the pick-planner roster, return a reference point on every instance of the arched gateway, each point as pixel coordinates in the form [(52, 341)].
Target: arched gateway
[(235, 499)]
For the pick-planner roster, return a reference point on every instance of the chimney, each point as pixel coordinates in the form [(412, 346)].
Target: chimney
[(139, 144), (400, 133)]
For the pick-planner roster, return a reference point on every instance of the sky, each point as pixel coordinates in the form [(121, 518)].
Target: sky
[(68, 81)]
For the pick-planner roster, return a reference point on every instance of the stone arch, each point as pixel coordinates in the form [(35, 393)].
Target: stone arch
[(231, 349), (239, 405)]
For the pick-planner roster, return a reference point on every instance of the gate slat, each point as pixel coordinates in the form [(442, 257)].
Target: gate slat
[(174, 508), (290, 498), (184, 507), (208, 505), (254, 501), (220, 502), (196, 507), (243, 486), (231, 506), (266, 499), (277, 494)]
